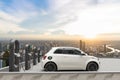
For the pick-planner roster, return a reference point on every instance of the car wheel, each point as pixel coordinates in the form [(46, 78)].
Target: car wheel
[(50, 67), (92, 66)]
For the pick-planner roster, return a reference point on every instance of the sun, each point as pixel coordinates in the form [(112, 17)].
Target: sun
[(90, 35), (84, 32)]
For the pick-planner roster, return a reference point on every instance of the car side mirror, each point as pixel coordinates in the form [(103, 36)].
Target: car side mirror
[(83, 54)]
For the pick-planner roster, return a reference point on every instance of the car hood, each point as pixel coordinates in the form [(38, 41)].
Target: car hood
[(93, 57)]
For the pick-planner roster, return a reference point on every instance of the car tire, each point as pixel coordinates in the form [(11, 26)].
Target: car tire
[(92, 66), (50, 67)]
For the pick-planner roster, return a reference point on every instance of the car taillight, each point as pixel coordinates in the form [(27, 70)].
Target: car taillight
[(44, 57)]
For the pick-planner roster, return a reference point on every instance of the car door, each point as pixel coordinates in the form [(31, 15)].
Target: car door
[(68, 59), (79, 59), (60, 59), (72, 59)]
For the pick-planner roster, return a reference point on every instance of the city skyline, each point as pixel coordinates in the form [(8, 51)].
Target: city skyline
[(58, 19)]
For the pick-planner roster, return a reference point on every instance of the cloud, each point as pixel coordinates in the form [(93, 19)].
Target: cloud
[(74, 17), (58, 32), (6, 26), (101, 19), (67, 11), (13, 13), (25, 13), (56, 4), (80, 17), (8, 17), (43, 12), (85, 17), (23, 9)]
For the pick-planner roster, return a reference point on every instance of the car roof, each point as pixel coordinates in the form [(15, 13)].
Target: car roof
[(55, 48), (64, 48)]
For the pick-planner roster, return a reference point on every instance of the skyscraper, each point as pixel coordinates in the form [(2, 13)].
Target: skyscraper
[(1, 47)]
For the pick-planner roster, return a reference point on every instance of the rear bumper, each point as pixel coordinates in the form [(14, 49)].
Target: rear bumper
[(43, 62), (42, 65)]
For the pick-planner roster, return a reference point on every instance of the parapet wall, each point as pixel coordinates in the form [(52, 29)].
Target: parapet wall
[(60, 76)]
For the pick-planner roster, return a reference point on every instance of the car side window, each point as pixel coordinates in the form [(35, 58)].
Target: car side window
[(67, 51), (77, 52), (58, 51)]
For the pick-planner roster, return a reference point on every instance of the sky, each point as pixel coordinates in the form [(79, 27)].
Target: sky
[(60, 19)]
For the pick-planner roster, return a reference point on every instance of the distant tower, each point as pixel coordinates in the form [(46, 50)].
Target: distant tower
[(81, 44), (105, 50)]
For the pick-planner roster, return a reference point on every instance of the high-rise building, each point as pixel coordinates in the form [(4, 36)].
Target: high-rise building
[(1, 47)]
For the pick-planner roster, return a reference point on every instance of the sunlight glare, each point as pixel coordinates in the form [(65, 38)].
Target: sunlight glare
[(90, 36)]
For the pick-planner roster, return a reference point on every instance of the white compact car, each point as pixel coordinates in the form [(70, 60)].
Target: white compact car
[(69, 58)]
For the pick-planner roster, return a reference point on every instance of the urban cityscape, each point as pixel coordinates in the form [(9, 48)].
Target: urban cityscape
[(94, 48)]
